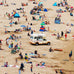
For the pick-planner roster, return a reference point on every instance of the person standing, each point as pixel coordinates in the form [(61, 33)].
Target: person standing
[(26, 18), (70, 55), (58, 36), (65, 36), (31, 68), (62, 33)]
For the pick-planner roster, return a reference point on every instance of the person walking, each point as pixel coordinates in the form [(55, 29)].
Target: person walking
[(31, 68), (21, 67)]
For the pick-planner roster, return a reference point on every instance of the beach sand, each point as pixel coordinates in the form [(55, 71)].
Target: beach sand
[(51, 58)]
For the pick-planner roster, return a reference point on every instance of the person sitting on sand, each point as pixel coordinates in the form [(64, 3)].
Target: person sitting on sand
[(26, 57), (47, 22), (33, 18), (21, 56), (61, 72), (50, 50), (16, 46), (35, 52), (28, 34), (6, 64)]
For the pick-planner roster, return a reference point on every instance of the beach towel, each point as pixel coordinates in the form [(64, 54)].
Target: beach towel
[(53, 34), (40, 66), (58, 49), (16, 66), (62, 39)]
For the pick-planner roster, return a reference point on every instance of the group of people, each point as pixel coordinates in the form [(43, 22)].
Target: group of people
[(15, 48), (62, 34)]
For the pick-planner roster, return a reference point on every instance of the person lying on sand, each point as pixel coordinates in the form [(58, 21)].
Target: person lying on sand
[(41, 64), (5, 64)]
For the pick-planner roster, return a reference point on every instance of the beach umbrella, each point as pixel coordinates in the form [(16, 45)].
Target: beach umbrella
[(16, 15), (42, 23), (23, 26)]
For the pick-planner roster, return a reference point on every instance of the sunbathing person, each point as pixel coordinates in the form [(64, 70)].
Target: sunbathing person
[(58, 36), (41, 64)]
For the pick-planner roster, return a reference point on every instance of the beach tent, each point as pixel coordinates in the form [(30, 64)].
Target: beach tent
[(55, 4), (16, 15), (45, 10)]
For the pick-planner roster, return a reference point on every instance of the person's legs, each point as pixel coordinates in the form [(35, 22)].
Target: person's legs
[(31, 69)]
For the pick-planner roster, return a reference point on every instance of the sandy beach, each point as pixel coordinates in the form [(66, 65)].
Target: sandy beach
[(58, 59)]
